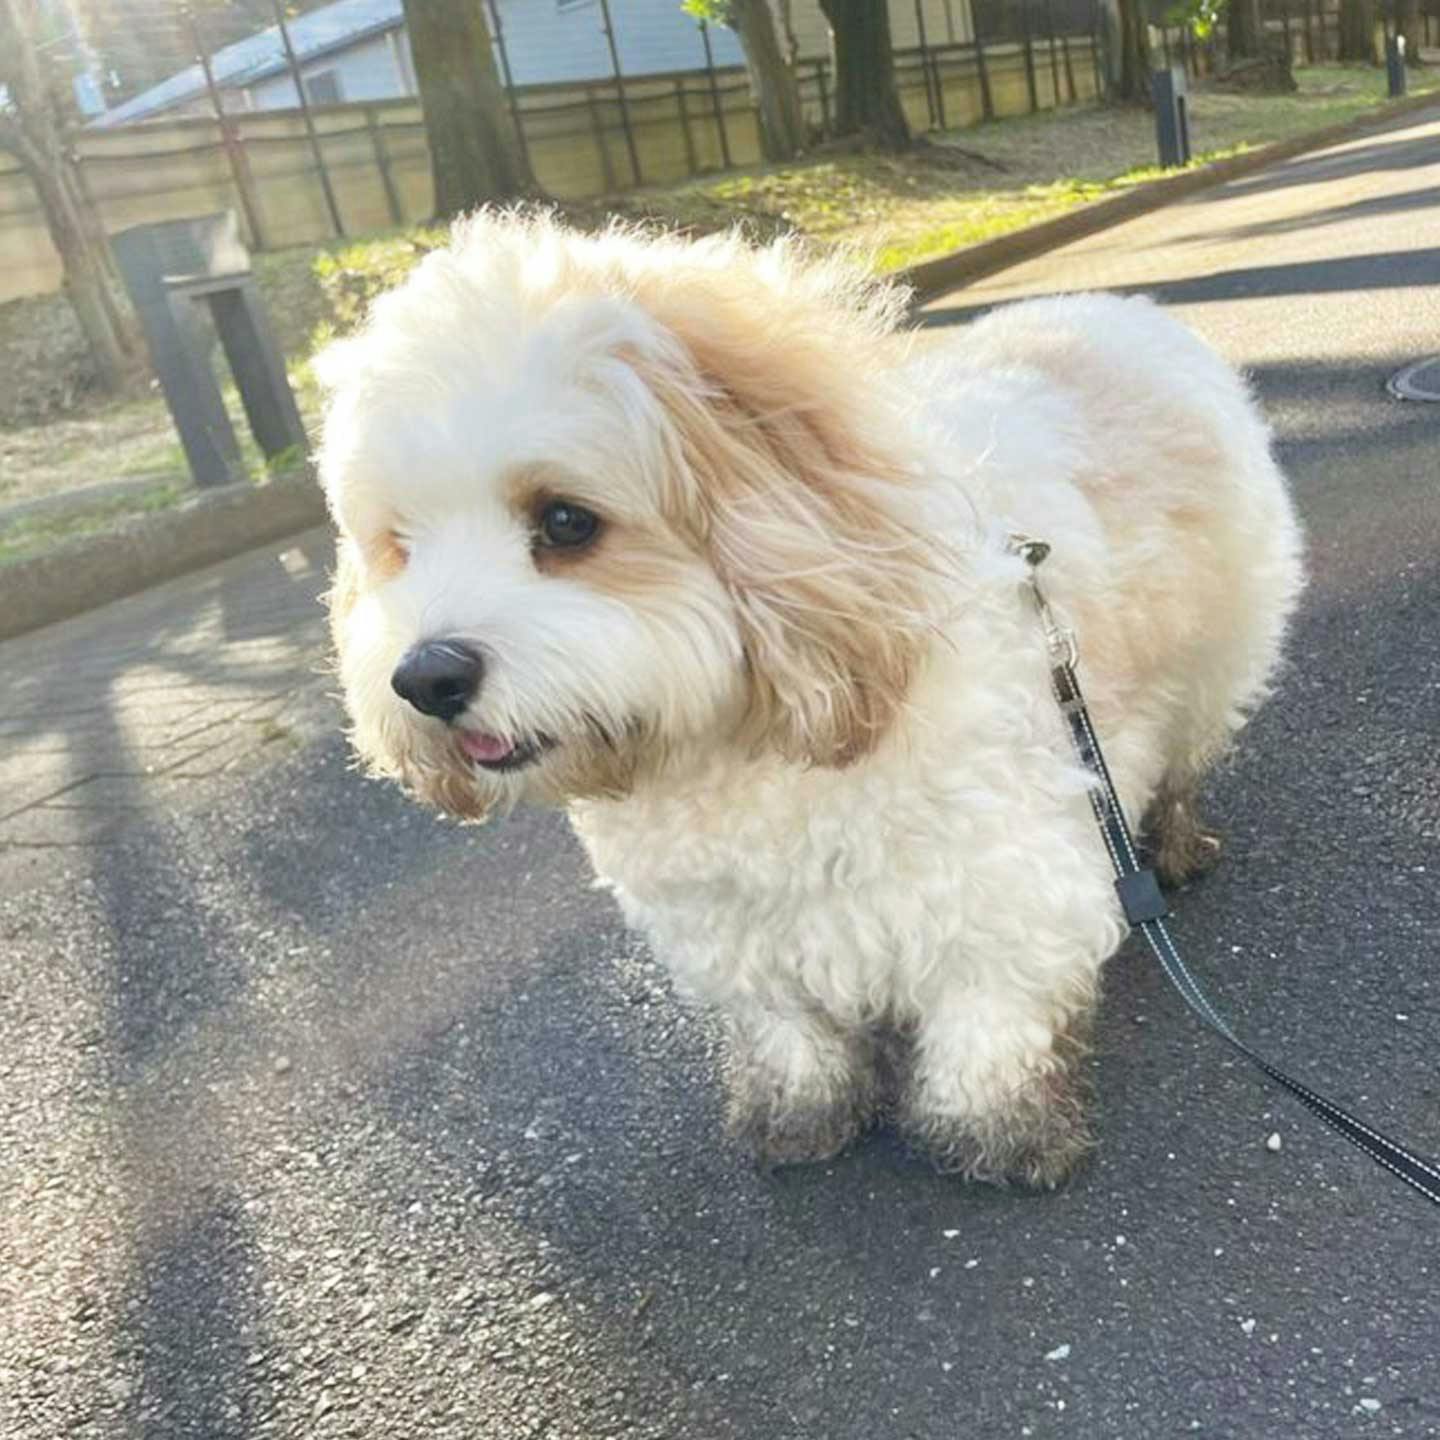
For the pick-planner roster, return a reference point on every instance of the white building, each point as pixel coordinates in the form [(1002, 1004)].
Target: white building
[(356, 50)]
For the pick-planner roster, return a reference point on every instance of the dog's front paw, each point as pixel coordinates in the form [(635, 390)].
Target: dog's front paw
[(781, 1129), (1036, 1136)]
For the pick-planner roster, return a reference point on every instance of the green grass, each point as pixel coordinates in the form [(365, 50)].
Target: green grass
[(30, 535)]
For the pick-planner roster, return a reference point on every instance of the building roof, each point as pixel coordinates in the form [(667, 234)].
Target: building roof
[(332, 27)]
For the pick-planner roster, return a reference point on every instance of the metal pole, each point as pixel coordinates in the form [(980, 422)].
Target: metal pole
[(987, 101), (382, 163), (239, 165), (497, 29), (692, 165), (620, 91), (925, 62), (1054, 57), (1100, 84), (715, 95), (1029, 57), (310, 130)]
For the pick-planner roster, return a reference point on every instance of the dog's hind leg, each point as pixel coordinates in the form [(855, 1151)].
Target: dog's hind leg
[(1182, 846), (801, 1087)]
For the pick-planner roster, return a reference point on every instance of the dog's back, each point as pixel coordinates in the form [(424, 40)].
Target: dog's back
[(1107, 427)]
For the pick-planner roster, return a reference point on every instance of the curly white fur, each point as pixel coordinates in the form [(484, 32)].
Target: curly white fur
[(796, 691)]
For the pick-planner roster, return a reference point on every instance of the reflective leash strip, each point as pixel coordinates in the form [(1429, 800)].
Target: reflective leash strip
[(1145, 907)]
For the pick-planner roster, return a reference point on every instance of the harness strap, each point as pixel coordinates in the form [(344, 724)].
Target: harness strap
[(1146, 909)]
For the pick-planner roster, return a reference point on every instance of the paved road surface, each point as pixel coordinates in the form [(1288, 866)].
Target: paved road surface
[(322, 1118)]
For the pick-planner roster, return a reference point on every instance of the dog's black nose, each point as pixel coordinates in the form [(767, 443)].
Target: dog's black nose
[(438, 677)]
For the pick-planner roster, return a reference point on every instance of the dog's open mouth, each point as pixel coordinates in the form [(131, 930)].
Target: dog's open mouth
[(499, 752)]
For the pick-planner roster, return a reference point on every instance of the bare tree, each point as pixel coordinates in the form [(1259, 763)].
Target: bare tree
[(867, 101), (475, 155), (772, 75), (32, 128)]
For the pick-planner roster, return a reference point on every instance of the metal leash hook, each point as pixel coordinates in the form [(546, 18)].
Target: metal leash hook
[(1061, 638)]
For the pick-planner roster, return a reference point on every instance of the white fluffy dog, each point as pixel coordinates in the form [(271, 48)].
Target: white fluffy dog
[(693, 540)]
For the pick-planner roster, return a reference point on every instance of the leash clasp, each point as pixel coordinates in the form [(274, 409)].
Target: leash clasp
[(1060, 638)]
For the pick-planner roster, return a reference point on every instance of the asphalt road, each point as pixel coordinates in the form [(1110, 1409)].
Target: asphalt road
[(321, 1117)]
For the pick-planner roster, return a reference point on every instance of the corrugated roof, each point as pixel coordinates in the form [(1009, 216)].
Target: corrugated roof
[(332, 27)]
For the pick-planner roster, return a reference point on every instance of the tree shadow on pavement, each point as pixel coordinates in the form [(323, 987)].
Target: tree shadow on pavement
[(1385, 152), (194, 1330), (1403, 202), (1398, 269)]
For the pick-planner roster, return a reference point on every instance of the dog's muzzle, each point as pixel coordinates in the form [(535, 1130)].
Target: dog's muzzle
[(439, 678)]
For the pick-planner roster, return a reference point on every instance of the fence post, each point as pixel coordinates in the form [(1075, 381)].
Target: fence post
[(234, 151), (1054, 60), (715, 102), (497, 29), (620, 92), (925, 62), (382, 162), (1095, 62), (987, 100), (692, 165), (597, 128), (1029, 57), (1069, 69), (310, 131)]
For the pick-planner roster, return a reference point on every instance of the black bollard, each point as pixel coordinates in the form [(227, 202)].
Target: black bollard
[(1172, 121), (1395, 64)]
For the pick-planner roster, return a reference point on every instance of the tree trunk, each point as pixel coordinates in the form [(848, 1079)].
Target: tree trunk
[(866, 99), (782, 122), (1410, 26), (30, 129), (1244, 31), (1357, 31), (110, 331), (1132, 67), (475, 156)]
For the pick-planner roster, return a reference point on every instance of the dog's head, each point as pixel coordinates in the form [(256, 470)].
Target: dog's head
[(606, 502)]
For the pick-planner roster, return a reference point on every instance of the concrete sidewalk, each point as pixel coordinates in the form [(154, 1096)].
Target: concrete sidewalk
[(130, 706)]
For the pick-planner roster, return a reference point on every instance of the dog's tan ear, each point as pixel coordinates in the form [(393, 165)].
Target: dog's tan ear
[(801, 505)]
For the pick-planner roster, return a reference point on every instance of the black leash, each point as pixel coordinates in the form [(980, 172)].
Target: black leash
[(1145, 907)]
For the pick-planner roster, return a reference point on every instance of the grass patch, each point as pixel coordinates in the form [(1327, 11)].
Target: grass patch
[(29, 535)]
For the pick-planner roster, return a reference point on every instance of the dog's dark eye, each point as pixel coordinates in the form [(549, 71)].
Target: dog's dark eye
[(566, 526)]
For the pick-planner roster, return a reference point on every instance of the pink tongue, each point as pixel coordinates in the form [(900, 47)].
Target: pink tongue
[(480, 746)]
